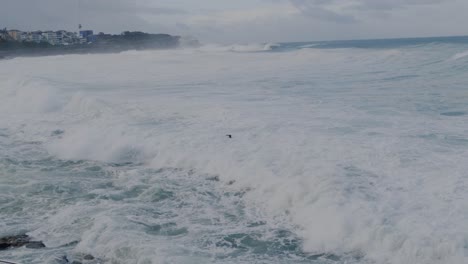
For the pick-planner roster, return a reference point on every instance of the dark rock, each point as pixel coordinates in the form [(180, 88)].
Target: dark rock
[(13, 241), (63, 260), (19, 241), (214, 178), (7, 262), (4, 246), (231, 182), (332, 257), (35, 244), (73, 243), (76, 262), (88, 257), (57, 132)]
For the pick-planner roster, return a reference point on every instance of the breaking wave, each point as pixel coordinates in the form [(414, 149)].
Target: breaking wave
[(347, 155), (240, 47)]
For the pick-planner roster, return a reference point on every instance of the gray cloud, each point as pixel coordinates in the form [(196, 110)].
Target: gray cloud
[(395, 4), (102, 15), (319, 9), (245, 20), (165, 11), (125, 7)]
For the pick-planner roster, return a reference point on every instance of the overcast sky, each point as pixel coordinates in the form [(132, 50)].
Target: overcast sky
[(241, 21)]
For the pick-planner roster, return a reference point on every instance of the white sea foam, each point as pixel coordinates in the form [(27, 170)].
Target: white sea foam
[(354, 159), (460, 55), (252, 47)]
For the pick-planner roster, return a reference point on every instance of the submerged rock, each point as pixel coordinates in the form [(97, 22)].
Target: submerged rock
[(57, 132), (214, 178), (19, 241), (81, 258), (62, 260), (35, 244)]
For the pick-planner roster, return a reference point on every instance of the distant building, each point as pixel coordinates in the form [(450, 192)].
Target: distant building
[(14, 34), (87, 36), (86, 33), (61, 37), (91, 39), (51, 37), (69, 38), (23, 36), (35, 36), (3, 34)]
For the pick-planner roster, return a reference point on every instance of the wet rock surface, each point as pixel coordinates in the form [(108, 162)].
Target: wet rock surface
[(19, 241), (79, 259), (23, 240)]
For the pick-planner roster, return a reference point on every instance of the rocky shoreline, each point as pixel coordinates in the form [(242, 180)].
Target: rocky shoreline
[(23, 240), (104, 44), (19, 241)]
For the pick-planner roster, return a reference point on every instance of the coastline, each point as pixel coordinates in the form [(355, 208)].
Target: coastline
[(104, 44), (11, 54)]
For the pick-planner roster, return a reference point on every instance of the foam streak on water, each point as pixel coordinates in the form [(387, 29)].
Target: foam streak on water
[(346, 155)]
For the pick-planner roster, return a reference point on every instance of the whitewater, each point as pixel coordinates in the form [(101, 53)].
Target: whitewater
[(341, 152)]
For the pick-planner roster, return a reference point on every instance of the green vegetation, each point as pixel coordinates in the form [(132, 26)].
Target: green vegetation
[(138, 40)]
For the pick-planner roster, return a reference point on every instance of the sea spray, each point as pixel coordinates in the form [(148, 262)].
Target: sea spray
[(339, 154)]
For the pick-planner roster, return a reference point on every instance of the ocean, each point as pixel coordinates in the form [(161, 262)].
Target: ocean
[(340, 152)]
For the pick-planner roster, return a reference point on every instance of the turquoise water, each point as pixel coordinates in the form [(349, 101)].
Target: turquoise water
[(341, 152)]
